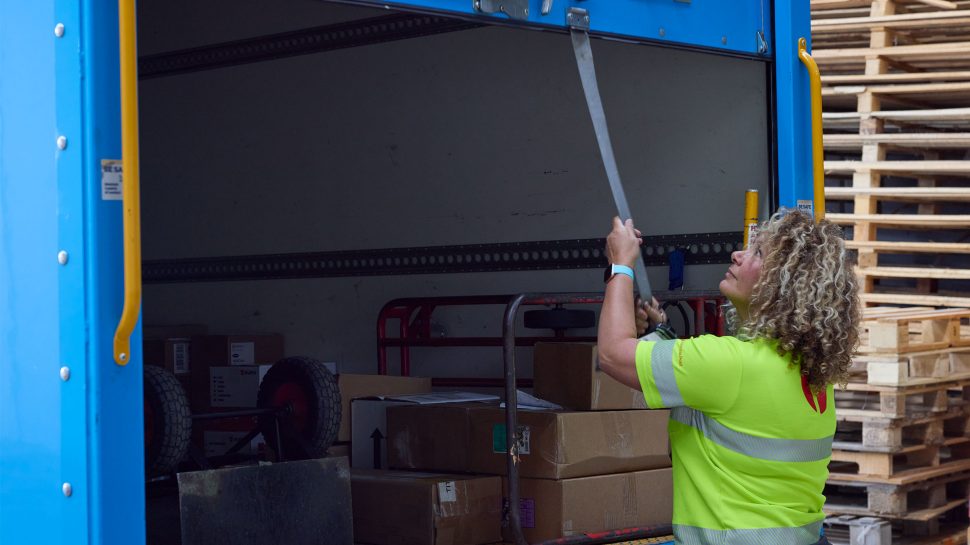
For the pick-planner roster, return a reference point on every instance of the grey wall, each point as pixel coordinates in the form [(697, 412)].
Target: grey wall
[(469, 137)]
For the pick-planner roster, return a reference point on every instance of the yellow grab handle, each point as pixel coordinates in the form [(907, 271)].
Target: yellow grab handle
[(750, 215), (130, 182), (818, 167)]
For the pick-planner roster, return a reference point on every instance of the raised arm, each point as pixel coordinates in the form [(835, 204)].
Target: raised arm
[(617, 335)]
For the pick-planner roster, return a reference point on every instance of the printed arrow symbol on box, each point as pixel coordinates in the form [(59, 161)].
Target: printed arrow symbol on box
[(377, 436)]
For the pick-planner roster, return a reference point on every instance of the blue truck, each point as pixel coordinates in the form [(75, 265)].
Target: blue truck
[(247, 148)]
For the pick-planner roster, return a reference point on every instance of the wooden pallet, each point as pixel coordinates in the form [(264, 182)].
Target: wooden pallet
[(913, 331), (848, 462), (896, 99), (914, 299), (873, 401), (891, 435), (916, 368), (923, 499), (910, 221), (898, 141)]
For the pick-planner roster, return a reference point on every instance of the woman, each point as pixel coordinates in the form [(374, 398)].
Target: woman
[(752, 416)]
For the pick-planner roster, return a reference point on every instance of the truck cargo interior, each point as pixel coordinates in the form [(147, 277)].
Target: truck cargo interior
[(476, 136), (292, 189)]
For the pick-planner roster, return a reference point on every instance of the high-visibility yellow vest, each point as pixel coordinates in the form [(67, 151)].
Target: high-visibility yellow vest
[(750, 443)]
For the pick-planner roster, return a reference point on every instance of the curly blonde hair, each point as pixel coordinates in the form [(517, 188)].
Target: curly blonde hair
[(806, 297)]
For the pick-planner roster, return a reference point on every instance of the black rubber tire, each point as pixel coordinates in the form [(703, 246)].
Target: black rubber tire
[(168, 421), (559, 318), (317, 428)]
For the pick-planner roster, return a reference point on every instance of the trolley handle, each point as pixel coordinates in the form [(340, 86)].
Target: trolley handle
[(818, 167), (130, 183)]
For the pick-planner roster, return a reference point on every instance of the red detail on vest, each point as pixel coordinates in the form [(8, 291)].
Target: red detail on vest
[(808, 394), (821, 401)]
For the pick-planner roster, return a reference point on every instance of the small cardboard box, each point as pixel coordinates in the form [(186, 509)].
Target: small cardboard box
[(552, 509), (406, 508), (561, 445), (369, 431), (430, 437), (225, 370), (566, 374), (356, 386)]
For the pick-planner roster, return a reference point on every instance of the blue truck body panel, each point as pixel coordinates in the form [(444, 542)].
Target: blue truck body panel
[(83, 434), (88, 431), (725, 26)]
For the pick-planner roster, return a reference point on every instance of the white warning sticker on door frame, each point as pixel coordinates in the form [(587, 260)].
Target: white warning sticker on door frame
[(111, 180)]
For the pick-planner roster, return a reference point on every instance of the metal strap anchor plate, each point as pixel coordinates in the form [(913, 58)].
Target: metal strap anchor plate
[(516, 9)]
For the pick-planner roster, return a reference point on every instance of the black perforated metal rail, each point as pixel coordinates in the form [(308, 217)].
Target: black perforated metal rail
[(587, 253), (398, 26)]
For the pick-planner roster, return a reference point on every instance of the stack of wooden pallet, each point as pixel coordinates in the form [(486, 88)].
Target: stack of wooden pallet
[(902, 446), (896, 96)]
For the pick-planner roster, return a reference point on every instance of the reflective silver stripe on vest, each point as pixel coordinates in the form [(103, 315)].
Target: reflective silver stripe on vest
[(662, 363), (802, 535), (764, 448)]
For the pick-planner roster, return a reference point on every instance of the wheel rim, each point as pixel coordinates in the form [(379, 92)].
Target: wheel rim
[(291, 395)]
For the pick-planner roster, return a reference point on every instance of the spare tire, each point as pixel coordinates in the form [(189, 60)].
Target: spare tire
[(168, 421), (305, 394)]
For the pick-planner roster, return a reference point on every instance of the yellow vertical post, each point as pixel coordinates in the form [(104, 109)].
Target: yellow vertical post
[(818, 164), (750, 215), (129, 181)]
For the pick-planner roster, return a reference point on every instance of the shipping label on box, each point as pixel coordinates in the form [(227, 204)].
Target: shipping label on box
[(242, 353), (499, 439), (180, 357), (233, 386)]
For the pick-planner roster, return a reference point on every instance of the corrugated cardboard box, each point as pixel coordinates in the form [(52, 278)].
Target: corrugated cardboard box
[(555, 445), (566, 373), (405, 508), (552, 509), (369, 429), (560, 445), (226, 371), (430, 437), (357, 386)]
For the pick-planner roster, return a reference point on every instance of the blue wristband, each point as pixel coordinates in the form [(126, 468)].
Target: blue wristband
[(623, 269)]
